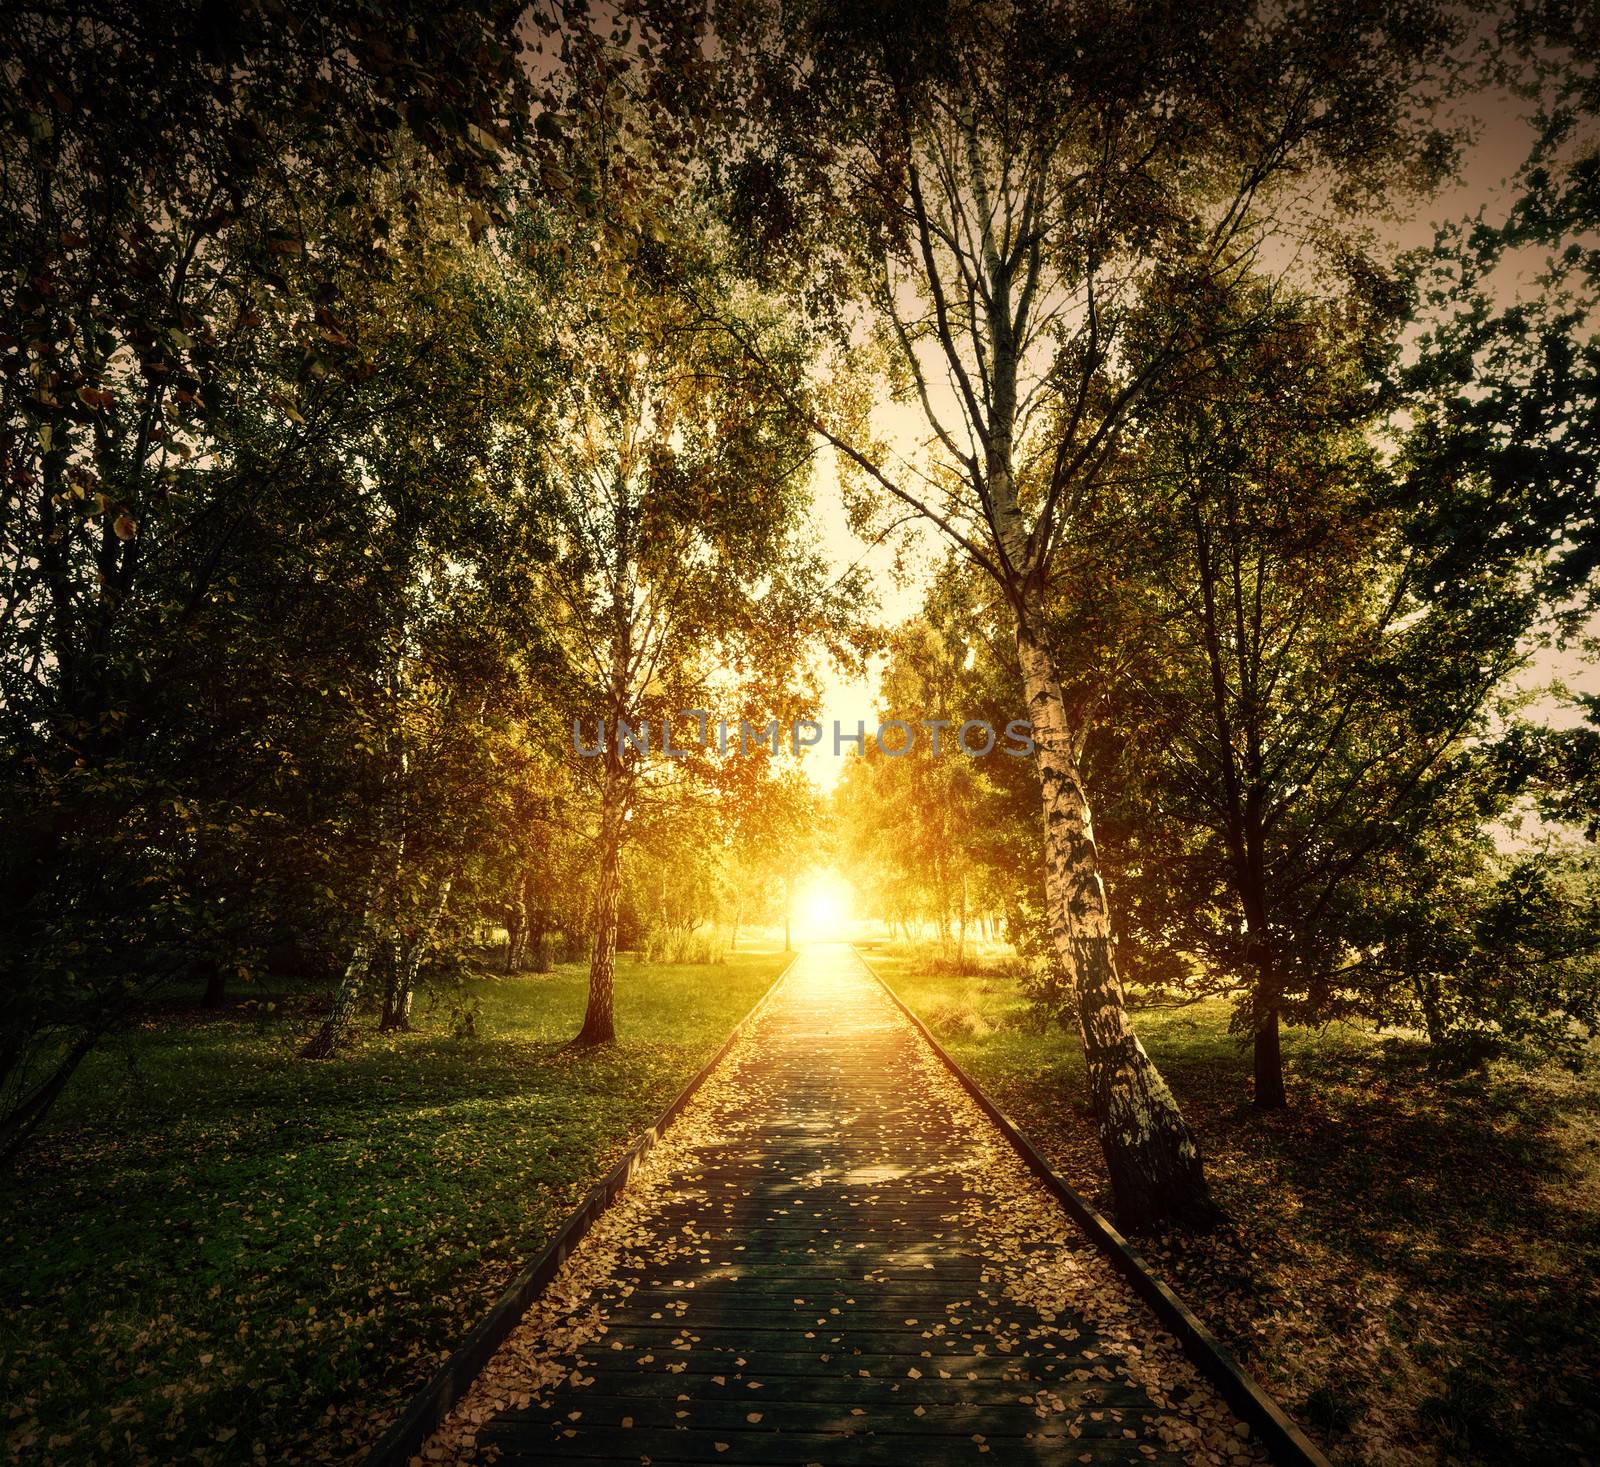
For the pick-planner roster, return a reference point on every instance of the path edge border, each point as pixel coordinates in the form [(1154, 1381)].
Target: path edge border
[(1287, 1444), (428, 1408)]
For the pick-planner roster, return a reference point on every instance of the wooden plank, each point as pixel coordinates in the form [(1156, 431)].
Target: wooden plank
[(797, 1449), (844, 1386), (914, 1415), (1288, 1444), (993, 1418), (763, 1361)]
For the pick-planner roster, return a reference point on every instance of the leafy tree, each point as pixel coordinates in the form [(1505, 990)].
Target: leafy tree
[(1294, 704), (190, 194), (680, 584), (1002, 184), (1504, 395), (451, 698), (933, 829), (776, 833), (1484, 950)]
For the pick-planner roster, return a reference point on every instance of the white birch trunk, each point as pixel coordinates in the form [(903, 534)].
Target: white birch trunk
[(1151, 1155)]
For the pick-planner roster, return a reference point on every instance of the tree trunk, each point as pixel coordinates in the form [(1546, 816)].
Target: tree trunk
[(1151, 1155), (26, 1117), (540, 957), (334, 1028), (1269, 1091), (216, 987), (1267, 1083), (1427, 988), (388, 1017), (599, 1023), (397, 1006), (396, 1016), (516, 925)]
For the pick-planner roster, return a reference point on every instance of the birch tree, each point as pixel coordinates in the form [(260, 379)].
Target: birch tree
[(675, 496), (999, 182)]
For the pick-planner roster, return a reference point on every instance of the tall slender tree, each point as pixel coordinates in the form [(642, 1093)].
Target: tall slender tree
[(675, 496), (1000, 180)]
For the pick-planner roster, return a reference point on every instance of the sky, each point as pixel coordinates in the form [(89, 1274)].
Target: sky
[(849, 700), (1503, 139)]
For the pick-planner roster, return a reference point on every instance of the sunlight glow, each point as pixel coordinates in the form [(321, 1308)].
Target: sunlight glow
[(823, 909)]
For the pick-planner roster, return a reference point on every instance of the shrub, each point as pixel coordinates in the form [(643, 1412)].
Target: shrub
[(958, 1019), (674, 945)]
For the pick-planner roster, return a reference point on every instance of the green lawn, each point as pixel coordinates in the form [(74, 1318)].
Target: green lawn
[(1413, 1263), (221, 1252)]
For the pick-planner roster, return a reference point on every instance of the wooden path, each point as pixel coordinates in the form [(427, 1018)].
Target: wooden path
[(833, 1257)]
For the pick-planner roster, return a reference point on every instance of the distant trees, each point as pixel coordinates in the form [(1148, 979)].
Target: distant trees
[(776, 833), (927, 832)]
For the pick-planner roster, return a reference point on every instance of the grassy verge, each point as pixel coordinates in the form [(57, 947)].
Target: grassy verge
[(1413, 1265), (222, 1253)]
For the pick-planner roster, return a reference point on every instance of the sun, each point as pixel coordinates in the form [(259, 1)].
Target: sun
[(823, 909)]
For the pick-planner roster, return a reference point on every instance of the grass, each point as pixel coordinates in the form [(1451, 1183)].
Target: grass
[(1413, 1261), (223, 1253)]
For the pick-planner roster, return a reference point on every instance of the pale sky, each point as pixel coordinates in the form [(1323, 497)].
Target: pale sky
[(849, 700)]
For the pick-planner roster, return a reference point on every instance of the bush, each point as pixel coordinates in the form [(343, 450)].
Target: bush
[(673, 945), (958, 1019)]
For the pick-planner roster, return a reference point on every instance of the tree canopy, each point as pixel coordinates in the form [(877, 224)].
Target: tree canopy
[(414, 420)]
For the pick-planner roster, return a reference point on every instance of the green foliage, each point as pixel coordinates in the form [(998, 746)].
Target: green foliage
[(208, 522), (1294, 705), (1504, 447), (1505, 380), (946, 838), (1487, 955)]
